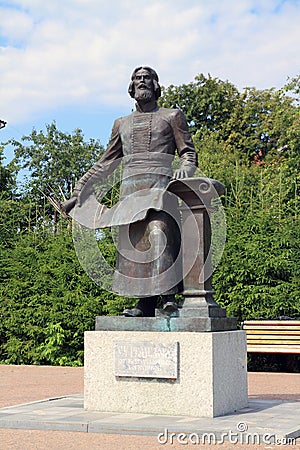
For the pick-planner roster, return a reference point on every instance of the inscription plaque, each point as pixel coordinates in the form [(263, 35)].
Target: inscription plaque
[(146, 359)]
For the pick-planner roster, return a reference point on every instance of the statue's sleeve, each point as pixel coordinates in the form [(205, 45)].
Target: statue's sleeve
[(106, 164), (184, 143)]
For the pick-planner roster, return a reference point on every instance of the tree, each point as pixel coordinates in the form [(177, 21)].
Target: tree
[(53, 161), (7, 178), (247, 125), (55, 158), (293, 86), (47, 301), (207, 103), (265, 117), (9, 208)]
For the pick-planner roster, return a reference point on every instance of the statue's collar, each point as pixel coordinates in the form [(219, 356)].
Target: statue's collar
[(148, 107)]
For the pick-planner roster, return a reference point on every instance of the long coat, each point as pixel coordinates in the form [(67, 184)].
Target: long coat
[(149, 247)]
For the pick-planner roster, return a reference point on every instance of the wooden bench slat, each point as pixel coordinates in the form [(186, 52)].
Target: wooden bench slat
[(273, 337), (271, 322), (272, 349), (274, 341), (274, 332), (271, 327)]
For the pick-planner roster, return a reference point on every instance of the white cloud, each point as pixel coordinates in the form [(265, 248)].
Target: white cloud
[(16, 25), (72, 52)]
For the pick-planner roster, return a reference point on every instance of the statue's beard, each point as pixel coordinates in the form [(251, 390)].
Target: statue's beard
[(143, 95)]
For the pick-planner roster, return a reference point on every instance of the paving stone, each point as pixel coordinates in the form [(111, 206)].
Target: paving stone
[(278, 418)]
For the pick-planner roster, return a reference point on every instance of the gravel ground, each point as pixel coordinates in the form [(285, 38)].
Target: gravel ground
[(22, 384)]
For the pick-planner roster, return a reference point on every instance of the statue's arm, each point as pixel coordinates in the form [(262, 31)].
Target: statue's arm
[(185, 147), (99, 171)]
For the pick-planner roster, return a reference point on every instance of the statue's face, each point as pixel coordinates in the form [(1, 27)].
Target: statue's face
[(143, 86)]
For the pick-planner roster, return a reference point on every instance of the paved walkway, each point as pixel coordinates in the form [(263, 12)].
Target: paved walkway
[(275, 396)]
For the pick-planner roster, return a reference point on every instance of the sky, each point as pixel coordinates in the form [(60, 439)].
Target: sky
[(71, 60)]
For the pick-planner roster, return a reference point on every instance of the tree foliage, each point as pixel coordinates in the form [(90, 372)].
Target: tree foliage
[(7, 178), (55, 158), (207, 103), (47, 301)]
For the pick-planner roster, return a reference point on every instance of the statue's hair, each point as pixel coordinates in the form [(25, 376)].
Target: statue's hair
[(155, 81)]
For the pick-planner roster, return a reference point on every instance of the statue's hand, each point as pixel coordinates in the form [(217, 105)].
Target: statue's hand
[(186, 170), (69, 204), (180, 173), (80, 194)]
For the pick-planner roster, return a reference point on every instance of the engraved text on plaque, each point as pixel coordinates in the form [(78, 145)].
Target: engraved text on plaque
[(146, 359)]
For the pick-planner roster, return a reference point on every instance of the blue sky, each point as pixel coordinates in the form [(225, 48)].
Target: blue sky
[(71, 60)]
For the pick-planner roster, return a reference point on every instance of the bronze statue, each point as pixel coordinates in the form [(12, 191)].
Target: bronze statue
[(148, 263)]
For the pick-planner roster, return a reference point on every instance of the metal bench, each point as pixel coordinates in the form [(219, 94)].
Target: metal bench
[(272, 336)]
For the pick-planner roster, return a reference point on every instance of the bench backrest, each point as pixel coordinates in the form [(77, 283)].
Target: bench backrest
[(272, 336)]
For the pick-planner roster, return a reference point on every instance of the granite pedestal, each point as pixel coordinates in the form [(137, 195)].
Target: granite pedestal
[(200, 374)]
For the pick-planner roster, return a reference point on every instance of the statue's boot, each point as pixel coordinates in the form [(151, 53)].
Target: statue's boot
[(169, 304), (144, 308), (133, 312)]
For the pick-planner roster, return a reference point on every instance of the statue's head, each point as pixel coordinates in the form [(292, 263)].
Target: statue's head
[(144, 84)]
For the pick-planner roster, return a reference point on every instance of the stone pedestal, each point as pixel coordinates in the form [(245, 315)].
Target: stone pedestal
[(201, 374)]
